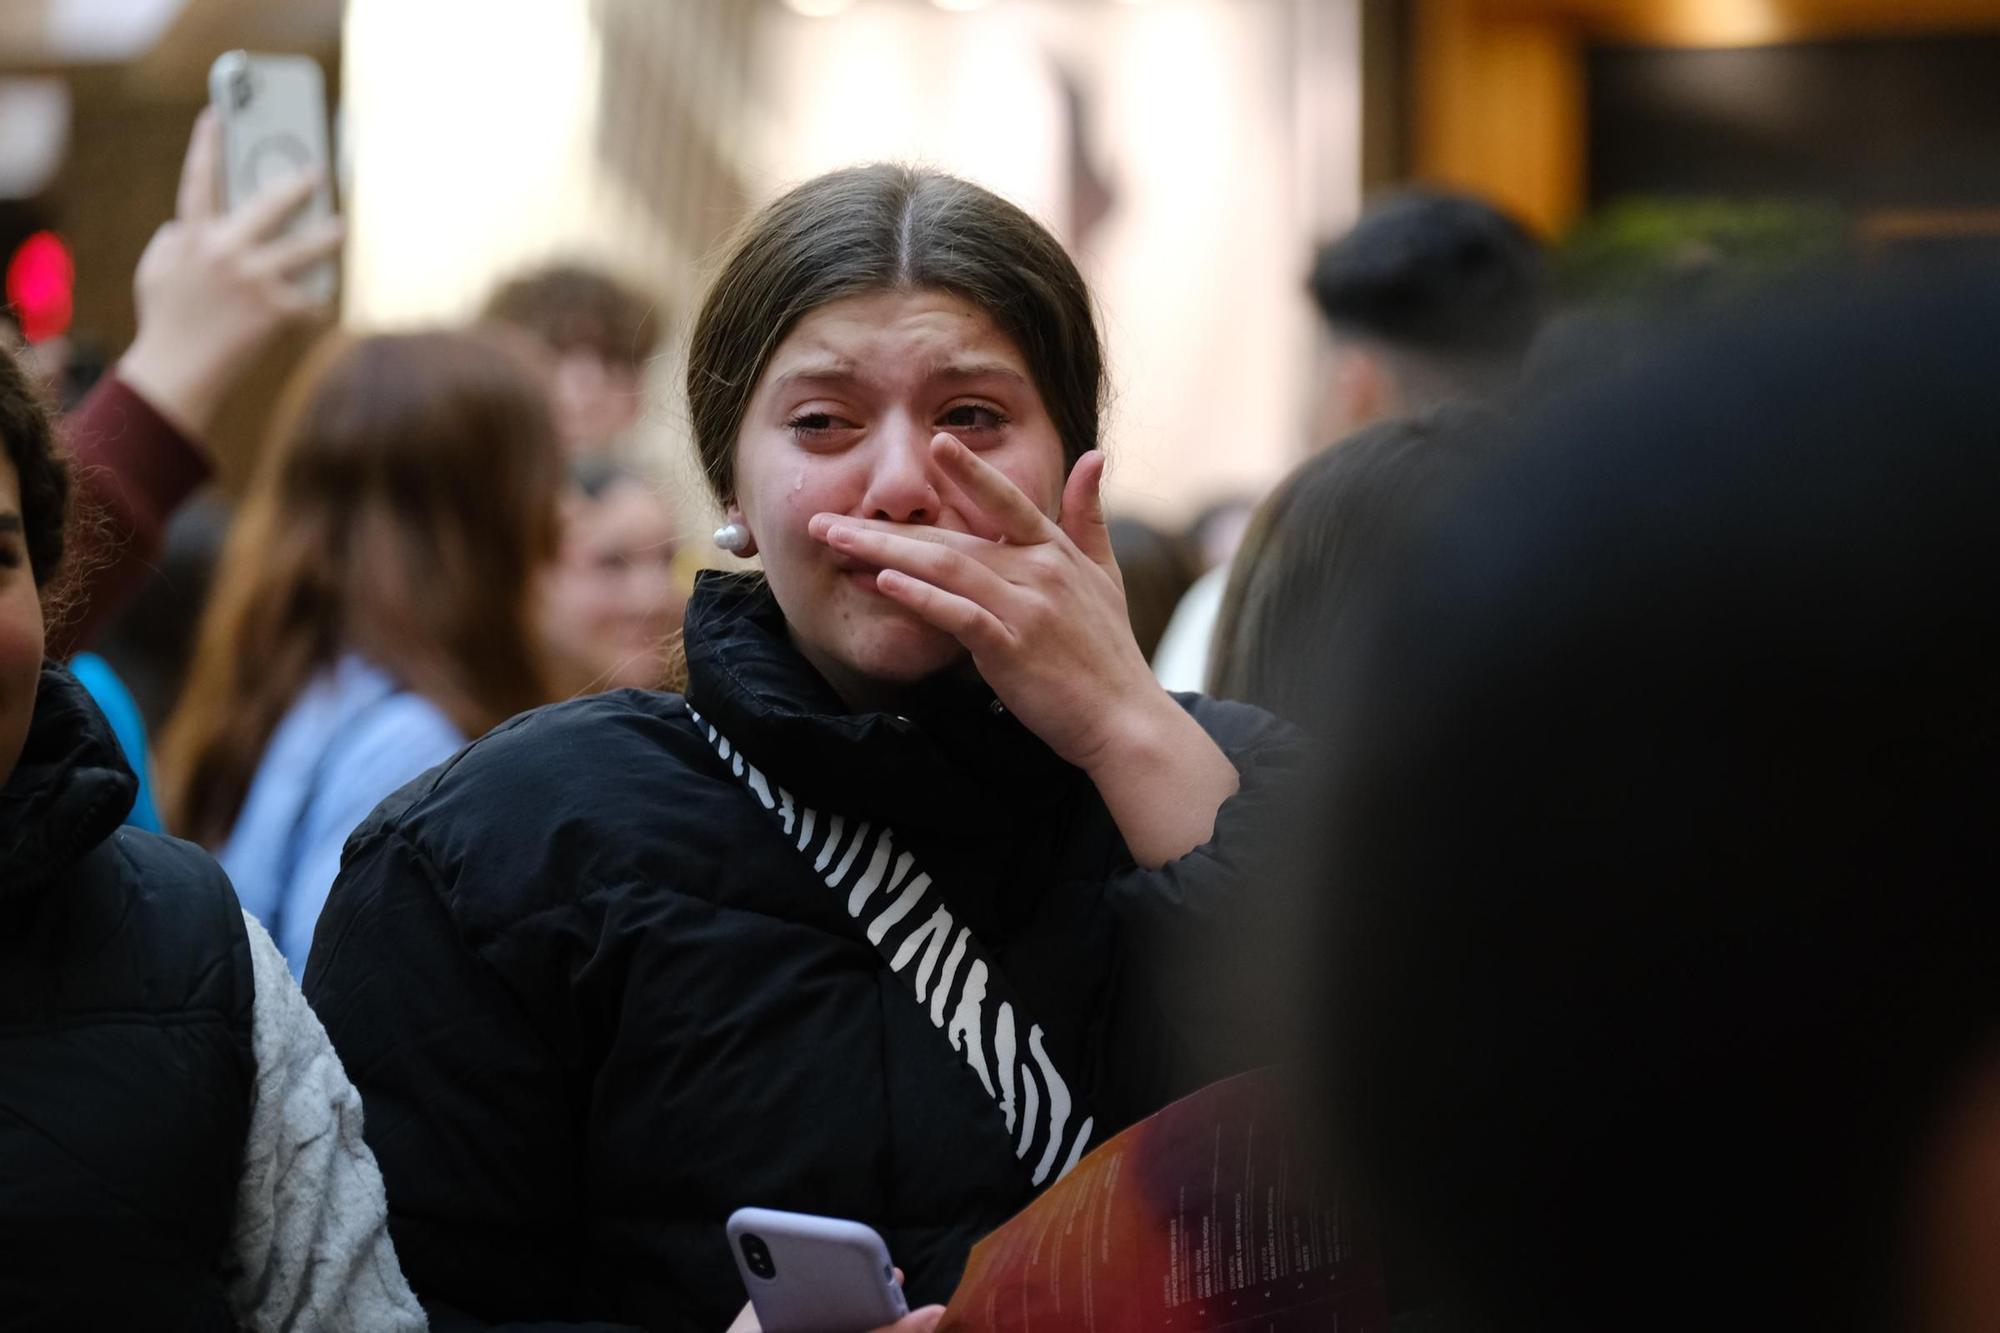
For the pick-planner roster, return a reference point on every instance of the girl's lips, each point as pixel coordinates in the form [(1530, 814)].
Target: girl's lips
[(851, 568)]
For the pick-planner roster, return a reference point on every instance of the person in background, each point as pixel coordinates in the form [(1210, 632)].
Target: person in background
[(1659, 979), (1215, 532), (151, 640), (212, 290), (612, 602), (373, 610), (1157, 570), (599, 334), (1431, 299), (1320, 539), (180, 1147), (872, 921)]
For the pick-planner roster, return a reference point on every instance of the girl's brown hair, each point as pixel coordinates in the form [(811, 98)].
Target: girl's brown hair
[(407, 499), (892, 227), (28, 435)]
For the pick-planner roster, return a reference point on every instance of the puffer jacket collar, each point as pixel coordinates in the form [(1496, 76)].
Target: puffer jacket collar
[(947, 762), (67, 794)]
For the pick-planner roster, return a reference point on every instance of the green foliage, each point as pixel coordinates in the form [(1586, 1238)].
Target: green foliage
[(1644, 249)]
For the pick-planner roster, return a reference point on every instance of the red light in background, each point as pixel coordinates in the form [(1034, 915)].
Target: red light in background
[(41, 281)]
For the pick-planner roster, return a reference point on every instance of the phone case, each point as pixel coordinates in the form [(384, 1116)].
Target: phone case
[(273, 111), (809, 1274)]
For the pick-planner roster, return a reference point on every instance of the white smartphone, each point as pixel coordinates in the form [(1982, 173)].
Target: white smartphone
[(809, 1274), (273, 111)]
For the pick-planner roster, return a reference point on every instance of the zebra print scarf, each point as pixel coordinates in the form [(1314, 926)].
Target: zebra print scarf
[(967, 997)]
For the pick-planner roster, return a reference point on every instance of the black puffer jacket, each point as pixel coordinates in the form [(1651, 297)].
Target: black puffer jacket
[(125, 1066), (596, 996)]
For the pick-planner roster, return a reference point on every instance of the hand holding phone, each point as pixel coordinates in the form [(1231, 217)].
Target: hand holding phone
[(808, 1274), (273, 113), (214, 288)]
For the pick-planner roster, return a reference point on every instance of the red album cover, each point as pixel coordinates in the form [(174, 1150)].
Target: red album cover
[(1204, 1217)]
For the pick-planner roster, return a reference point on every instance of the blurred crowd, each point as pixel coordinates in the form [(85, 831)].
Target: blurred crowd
[(426, 899)]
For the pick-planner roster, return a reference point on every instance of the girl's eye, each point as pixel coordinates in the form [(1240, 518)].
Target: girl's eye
[(809, 427), (973, 416)]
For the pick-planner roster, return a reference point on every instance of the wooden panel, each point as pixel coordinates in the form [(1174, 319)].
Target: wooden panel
[(1749, 22), (177, 68), (1499, 108), (1498, 84), (1386, 96)]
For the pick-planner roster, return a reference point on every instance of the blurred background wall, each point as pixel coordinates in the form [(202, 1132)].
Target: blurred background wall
[(1538, 102), (123, 80), (1191, 152)]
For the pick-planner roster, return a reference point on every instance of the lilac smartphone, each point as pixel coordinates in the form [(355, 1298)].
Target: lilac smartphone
[(811, 1274)]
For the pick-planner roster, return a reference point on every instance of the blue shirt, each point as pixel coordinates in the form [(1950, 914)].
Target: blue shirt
[(121, 710), (352, 737)]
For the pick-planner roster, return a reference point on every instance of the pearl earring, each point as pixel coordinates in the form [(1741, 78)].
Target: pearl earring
[(733, 538)]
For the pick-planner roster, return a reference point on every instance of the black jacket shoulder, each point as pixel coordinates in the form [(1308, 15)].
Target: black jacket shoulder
[(538, 790), (615, 970), (126, 993)]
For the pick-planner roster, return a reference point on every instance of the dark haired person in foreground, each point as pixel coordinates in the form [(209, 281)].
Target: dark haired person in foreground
[(1660, 974), (178, 1145), (867, 923), (1431, 300)]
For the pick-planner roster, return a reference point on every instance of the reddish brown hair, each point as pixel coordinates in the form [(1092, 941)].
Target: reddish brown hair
[(405, 503)]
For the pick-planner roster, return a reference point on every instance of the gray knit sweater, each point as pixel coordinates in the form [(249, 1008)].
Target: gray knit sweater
[(311, 1246)]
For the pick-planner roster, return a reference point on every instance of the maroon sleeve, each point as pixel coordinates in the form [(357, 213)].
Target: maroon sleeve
[(133, 469)]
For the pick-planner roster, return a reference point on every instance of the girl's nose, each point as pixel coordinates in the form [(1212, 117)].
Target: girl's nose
[(899, 487)]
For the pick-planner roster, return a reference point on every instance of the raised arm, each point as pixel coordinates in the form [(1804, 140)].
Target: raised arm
[(212, 289)]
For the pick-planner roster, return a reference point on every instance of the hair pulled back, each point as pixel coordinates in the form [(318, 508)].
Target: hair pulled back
[(890, 227)]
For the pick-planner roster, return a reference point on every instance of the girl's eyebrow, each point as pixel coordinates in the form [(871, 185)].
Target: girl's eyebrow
[(839, 370), (10, 521), (976, 370), (832, 370)]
